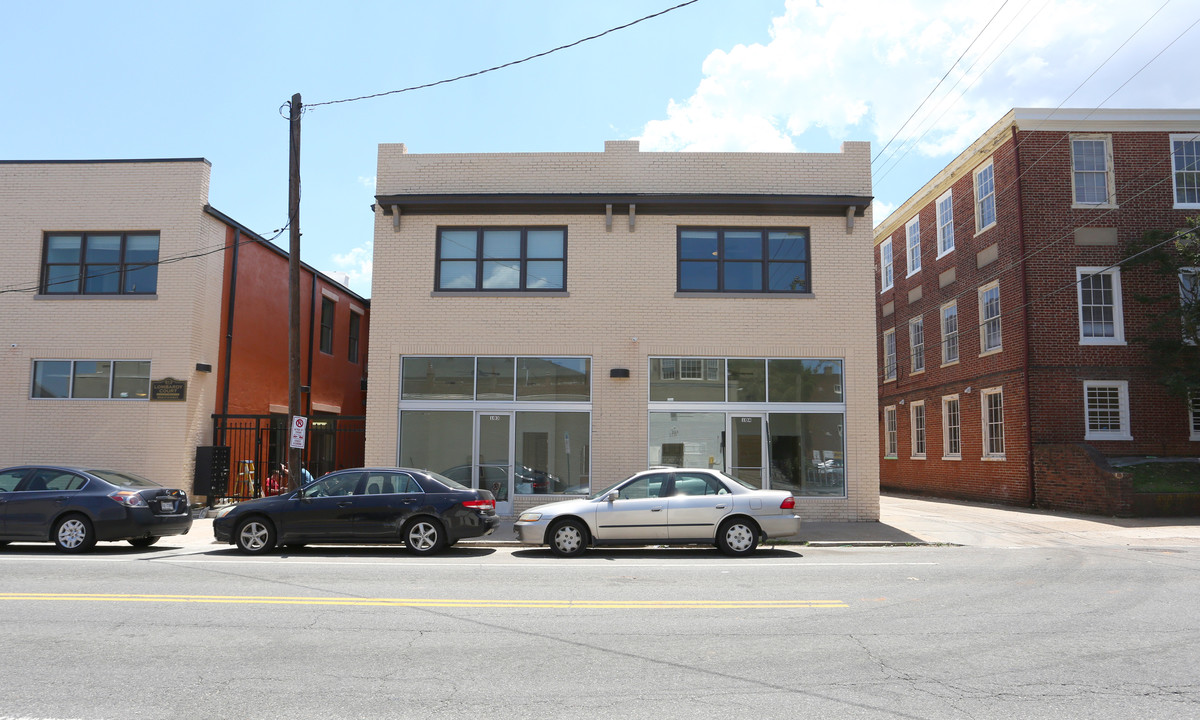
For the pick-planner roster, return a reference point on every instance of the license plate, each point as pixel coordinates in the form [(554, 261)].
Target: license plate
[(168, 506)]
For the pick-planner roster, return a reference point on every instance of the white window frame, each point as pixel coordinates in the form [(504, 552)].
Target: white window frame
[(912, 235), (945, 223), (982, 200), (1122, 433), (947, 454), (887, 272), (916, 345), (1189, 295), (917, 426), (889, 355), (1175, 171), (1110, 190), (984, 398), (1194, 413), (891, 441), (984, 321), (950, 338), (1118, 337)]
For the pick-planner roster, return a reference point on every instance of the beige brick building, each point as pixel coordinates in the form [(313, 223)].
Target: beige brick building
[(549, 323), (88, 320)]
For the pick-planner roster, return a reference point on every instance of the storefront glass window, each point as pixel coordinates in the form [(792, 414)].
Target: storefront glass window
[(438, 378)]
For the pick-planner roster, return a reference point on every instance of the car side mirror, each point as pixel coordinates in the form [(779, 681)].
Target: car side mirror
[(614, 495)]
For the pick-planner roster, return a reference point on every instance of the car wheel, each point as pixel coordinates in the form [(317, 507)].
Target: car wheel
[(74, 533), (424, 536), (568, 538), (255, 536), (737, 537), (143, 542)]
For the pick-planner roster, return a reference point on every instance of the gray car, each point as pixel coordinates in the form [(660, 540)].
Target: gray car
[(664, 506)]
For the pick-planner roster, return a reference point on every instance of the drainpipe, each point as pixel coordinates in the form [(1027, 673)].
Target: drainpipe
[(237, 241), (1032, 497), (312, 340)]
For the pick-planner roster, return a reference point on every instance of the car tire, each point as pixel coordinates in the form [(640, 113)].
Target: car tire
[(737, 537), (74, 534), (567, 538), (143, 542), (255, 536), (424, 536)]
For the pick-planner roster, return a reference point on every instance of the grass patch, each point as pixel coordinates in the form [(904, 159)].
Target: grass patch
[(1169, 477)]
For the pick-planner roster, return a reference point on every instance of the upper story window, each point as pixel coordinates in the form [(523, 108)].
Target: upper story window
[(887, 271), (1091, 170), (1101, 319), (100, 264), (355, 331), (945, 223), (985, 197), (744, 260), (916, 344), (1185, 165), (917, 425), (989, 319), (913, 234), (327, 308), (950, 332), (531, 259), (889, 354), (91, 379)]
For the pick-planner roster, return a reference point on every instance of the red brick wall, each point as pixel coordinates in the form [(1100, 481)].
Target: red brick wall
[(1076, 478)]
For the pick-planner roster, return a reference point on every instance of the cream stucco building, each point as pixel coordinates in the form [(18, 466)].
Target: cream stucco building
[(548, 323)]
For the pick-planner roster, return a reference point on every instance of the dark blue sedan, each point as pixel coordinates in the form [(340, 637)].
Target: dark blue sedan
[(74, 507), (425, 511)]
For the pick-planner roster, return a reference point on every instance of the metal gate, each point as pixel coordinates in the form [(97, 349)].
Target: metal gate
[(258, 446)]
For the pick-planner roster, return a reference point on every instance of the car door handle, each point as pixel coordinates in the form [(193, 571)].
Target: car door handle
[(720, 507), (347, 503), (656, 509)]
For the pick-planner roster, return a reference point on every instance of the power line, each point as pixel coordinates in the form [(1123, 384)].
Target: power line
[(507, 64)]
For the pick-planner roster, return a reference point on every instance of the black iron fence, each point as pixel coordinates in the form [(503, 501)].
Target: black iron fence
[(258, 447)]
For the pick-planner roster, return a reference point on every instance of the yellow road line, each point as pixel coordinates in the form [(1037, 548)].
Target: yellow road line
[(441, 602)]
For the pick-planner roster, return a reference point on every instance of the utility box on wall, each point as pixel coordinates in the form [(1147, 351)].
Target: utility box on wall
[(212, 471)]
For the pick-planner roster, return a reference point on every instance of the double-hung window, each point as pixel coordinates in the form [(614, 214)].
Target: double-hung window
[(916, 344), (889, 354), (1091, 171), (945, 223), (1194, 413), (989, 318), (1101, 320), (993, 423), (917, 417), (890, 440), (355, 331), (912, 232), (91, 379), (985, 197), (1106, 409), (531, 259), (1185, 166), (744, 260), (950, 332), (100, 264), (951, 428), (327, 309), (887, 276)]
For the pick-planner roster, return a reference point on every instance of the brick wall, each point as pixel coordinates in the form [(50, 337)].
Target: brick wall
[(1077, 478)]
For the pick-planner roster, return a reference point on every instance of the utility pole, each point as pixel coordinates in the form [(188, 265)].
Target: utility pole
[(295, 455)]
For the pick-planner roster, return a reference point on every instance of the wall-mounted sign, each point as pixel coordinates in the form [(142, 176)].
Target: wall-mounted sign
[(168, 389)]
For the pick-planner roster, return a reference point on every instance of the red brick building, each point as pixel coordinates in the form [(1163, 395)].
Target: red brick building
[(1010, 349)]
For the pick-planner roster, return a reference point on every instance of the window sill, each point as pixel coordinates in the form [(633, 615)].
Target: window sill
[(993, 351), (952, 457), (914, 272), (499, 293), (917, 372), (890, 457), (1101, 342), (1187, 206), (1120, 438), (916, 457), (993, 458), (944, 254), (95, 296), (888, 380), (1093, 206), (949, 364), (741, 295), (982, 230)]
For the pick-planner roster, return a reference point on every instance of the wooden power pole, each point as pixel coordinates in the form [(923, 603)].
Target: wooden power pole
[(295, 455)]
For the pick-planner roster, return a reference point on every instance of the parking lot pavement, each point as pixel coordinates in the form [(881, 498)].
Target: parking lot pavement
[(906, 520)]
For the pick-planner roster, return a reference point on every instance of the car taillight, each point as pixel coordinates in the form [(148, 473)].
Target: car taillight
[(480, 504), (789, 503), (128, 499)]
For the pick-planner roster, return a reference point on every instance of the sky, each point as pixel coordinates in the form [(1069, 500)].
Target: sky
[(919, 79)]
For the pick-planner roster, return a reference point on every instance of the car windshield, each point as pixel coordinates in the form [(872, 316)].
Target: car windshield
[(124, 479), (452, 484)]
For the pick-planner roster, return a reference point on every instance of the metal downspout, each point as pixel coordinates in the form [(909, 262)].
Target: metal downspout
[(237, 242)]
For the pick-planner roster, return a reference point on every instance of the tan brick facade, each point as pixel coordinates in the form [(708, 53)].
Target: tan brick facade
[(174, 329), (621, 306)]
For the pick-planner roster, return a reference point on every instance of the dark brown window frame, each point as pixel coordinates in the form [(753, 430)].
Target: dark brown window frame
[(764, 261), (479, 260), (123, 266)]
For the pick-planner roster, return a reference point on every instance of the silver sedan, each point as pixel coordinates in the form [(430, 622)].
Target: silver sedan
[(664, 506)]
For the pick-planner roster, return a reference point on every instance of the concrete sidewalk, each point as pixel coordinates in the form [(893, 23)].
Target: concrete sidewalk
[(906, 520)]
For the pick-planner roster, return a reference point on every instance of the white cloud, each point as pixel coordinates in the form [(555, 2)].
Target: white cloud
[(357, 264), (367, 182), (858, 70)]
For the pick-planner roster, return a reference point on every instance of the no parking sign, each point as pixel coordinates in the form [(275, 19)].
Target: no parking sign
[(299, 432)]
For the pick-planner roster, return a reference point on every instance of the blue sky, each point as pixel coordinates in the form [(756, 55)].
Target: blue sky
[(87, 80)]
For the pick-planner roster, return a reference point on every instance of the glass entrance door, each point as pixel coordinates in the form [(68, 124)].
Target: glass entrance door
[(747, 450), (493, 458)]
